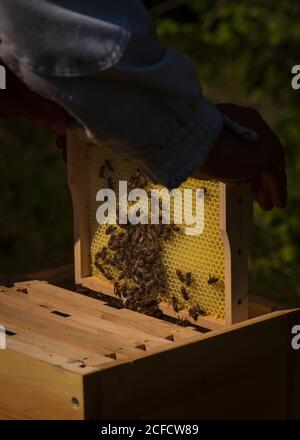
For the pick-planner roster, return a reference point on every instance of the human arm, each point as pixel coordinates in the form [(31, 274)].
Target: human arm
[(18, 101), (105, 65), (260, 162)]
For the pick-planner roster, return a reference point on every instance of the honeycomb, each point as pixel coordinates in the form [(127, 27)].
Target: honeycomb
[(202, 255)]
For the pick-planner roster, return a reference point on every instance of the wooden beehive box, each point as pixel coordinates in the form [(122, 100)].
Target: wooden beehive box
[(70, 356), (74, 356), (217, 258)]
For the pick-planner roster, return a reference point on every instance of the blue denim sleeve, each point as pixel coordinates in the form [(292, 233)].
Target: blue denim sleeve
[(103, 62)]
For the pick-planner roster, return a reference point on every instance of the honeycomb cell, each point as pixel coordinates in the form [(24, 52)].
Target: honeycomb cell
[(203, 254)]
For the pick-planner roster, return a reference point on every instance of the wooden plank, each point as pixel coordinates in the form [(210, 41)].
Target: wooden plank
[(259, 305), (47, 348), (235, 221), (13, 320), (22, 345), (78, 184), (88, 318), (258, 309), (234, 373), (102, 338), (124, 316), (11, 312), (33, 389)]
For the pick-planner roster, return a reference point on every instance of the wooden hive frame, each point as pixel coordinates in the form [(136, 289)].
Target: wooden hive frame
[(235, 221)]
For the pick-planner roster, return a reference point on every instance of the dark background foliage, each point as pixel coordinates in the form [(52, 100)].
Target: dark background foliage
[(244, 52)]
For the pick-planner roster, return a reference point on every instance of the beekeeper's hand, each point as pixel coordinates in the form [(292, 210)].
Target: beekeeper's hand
[(261, 163)]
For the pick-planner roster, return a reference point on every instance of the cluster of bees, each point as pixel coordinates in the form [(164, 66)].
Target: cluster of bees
[(138, 180), (132, 260), (132, 257), (186, 280)]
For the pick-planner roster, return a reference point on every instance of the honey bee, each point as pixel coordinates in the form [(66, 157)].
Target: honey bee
[(131, 291), (202, 312), (135, 278), (152, 303), (108, 274), (149, 285), (139, 212), (143, 181), (108, 165), (113, 243), (117, 291), (110, 183), (123, 290), (140, 179), (103, 253), (152, 257), (132, 183), (101, 172), (180, 275), (176, 305), (175, 228), (122, 275), (193, 313), (167, 233), (212, 280), (100, 267), (110, 229), (97, 256), (188, 278), (158, 273), (184, 293), (105, 270)]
